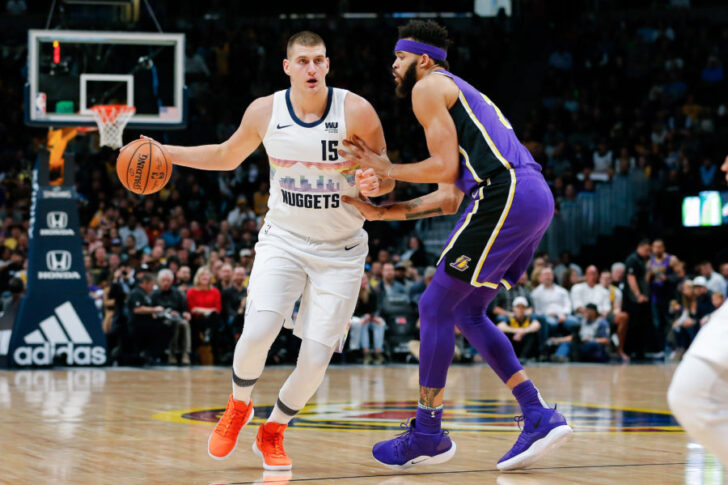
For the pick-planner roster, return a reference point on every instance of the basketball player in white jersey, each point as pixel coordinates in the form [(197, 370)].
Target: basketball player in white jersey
[(312, 245), (698, 394)]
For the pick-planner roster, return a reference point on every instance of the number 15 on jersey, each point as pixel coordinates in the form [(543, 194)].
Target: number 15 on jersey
[(329, 150)]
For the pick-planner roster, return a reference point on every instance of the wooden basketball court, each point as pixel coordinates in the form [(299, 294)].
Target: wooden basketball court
[(151, 426)]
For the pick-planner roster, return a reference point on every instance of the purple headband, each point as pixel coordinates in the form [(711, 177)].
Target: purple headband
[(420, 48)]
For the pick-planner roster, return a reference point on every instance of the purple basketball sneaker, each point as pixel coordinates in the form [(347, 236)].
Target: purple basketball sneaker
[(544, 430), (412, 448)]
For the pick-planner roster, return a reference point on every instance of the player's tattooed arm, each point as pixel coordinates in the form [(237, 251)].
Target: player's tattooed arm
[(411, 212), (445, 200), (431, 397)]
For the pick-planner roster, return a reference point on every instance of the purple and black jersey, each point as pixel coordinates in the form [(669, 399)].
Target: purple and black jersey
[(511, 205), (488, 146)]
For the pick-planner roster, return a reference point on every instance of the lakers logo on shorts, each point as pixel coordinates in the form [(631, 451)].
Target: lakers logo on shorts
[(461, 264)]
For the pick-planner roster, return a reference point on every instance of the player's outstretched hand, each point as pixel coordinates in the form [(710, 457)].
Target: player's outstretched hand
[(356, 150), (367, 182), (370, 211)]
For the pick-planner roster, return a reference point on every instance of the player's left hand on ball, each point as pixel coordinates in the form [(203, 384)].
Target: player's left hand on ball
[(367, 182), (370, 211)]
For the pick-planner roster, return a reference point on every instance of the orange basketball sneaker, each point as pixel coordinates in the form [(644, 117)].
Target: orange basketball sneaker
[(224, 438), (269, 446)]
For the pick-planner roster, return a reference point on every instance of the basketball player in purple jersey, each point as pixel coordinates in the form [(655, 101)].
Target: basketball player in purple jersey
[(475, 153)]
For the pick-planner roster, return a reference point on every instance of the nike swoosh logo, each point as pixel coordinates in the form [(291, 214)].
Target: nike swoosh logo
[(535, 426), (418, 461), (348, 248), (281, 127)]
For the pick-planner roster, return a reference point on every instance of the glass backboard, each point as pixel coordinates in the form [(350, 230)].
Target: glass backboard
[(69, 71)]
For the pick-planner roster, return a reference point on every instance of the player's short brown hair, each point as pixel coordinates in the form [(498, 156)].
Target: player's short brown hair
[(305, 38)]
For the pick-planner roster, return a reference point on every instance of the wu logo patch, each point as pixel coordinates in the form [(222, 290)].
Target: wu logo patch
[(58, 260), (461, 264), (332, 126)]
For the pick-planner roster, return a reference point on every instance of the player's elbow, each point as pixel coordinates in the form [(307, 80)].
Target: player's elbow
[(450, 204), (449, 171), (225, 158)]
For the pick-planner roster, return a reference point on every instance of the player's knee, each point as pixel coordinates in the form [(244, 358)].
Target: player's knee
[(466, 317), (314, 356), (318, 363), (430, 307), (261, 327)]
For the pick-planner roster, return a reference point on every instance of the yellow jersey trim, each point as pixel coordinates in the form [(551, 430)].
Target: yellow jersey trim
[(484, 132), (504, 215), (467, 164)]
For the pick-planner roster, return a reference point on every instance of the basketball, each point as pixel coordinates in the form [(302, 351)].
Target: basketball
[(143, 166)]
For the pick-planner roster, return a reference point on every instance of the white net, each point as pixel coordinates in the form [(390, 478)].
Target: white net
[(112, 119)]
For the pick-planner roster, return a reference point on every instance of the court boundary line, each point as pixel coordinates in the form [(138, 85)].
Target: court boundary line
[(453, 472)]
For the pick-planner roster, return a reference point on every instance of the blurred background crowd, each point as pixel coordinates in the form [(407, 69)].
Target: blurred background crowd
[(605, 97)]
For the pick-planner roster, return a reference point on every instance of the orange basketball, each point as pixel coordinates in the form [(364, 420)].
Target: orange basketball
[(143, 166)]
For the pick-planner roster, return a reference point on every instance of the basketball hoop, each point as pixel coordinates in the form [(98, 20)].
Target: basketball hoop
[(112, 119)]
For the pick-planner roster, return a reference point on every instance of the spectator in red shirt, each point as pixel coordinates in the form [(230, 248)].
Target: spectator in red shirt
[(205, 305)]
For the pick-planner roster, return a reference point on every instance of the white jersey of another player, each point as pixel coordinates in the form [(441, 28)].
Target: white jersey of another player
[(307, 177), (698, 394), (711, 343)]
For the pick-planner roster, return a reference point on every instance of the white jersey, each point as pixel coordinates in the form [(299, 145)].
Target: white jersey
[(711, 343), (307, 177)]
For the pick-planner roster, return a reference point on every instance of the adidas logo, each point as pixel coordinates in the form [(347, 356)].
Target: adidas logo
[(62, 333)]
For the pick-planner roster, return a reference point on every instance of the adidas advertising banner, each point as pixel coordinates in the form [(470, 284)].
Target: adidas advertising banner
[(57, 322)]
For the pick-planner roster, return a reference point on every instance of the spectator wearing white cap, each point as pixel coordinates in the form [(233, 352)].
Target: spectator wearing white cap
[(502, 305), (703, 297), (522, 329), (714, 280)]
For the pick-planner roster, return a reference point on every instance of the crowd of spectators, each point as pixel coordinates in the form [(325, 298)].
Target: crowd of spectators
[(648, 307), (169, 272), (643, 95)]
